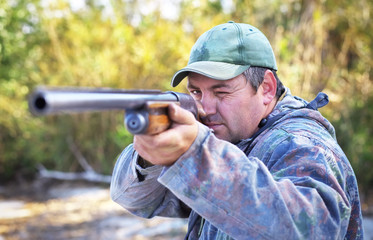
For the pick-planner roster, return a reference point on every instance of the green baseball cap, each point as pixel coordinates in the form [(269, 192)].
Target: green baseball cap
[(226, 51)]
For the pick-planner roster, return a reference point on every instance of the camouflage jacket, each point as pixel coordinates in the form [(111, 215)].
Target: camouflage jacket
[(292, 182)]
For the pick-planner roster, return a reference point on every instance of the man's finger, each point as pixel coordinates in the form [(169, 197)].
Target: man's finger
[(180, 115)]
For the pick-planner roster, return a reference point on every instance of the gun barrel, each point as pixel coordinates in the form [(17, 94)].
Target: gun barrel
[(146, 110), (46, 101)]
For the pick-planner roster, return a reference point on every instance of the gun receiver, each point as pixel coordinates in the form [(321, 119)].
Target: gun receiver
[(145, 110)]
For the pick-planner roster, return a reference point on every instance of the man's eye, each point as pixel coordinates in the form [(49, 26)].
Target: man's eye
[(221, 93), (194, 92)]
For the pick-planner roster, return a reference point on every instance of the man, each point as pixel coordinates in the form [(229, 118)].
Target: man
[(260, 164)]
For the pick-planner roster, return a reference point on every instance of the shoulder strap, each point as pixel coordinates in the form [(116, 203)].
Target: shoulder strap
[(320, 101)]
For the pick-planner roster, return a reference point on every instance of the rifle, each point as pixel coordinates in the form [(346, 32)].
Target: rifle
[(145, 110)]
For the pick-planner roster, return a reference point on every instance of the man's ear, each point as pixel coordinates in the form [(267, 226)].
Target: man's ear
[(269, 86)]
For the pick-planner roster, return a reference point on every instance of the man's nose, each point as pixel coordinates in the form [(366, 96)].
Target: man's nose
[(208, 105)]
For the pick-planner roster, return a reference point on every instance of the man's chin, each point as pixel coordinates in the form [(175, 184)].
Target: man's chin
[(222, 136)]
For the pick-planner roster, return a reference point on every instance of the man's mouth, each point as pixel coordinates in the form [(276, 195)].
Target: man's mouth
[(212, 125)]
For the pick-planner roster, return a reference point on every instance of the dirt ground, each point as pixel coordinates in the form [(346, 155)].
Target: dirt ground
[(53, 210), (75, 211)]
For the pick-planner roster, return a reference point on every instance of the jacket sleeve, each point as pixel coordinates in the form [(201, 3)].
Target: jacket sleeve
[(144, 196), (298, 198)]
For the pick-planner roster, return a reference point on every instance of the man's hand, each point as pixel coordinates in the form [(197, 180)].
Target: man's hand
[(166, 147)]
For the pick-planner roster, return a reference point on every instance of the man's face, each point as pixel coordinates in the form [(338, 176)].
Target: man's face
[(231, 108)]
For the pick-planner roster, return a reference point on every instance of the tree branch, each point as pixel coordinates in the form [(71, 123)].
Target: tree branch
[(90, 176), (89, 173)]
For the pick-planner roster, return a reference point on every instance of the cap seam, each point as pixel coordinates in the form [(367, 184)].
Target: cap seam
[(240, 43)]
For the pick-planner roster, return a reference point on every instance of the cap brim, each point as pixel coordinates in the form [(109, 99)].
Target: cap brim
[(214, 70)]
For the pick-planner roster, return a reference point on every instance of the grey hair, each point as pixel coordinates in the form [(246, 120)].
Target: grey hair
[(255, 76)]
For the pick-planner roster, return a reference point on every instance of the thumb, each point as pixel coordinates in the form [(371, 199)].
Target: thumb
[(179, 115)]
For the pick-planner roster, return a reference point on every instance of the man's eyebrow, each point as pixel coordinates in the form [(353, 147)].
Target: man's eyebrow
[(189, 85), (218, 85)]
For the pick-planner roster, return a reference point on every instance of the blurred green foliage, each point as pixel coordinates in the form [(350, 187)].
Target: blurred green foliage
[(321, 45)]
